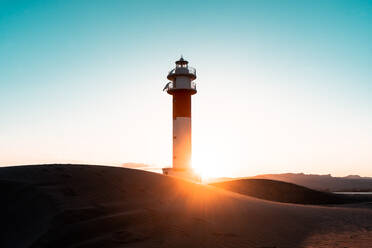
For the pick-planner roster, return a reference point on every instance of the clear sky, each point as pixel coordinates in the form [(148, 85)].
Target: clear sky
[(283, 86)]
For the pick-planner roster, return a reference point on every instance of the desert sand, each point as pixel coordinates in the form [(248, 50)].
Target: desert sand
[(100, 206), (280, 191)]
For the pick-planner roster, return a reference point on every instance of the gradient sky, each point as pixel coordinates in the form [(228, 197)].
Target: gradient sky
[(283, 86)]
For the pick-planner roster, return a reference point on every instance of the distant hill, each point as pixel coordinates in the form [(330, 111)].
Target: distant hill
[(352, 183), (286, 192), (135, 165), (141, 166)]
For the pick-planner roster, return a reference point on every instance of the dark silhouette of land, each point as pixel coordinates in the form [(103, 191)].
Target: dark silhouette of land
[(100, 206), (351, 183), (288, 192)]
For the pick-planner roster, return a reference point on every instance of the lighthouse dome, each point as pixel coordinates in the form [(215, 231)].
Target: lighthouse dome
[(182, 69)]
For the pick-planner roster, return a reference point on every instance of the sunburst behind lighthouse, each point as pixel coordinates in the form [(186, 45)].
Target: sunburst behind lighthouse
[(181, 87)]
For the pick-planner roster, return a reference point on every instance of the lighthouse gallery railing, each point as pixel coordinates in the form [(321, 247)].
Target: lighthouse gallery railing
[(170, 86)]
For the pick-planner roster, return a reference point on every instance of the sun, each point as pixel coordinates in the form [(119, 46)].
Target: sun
[(207, 166)]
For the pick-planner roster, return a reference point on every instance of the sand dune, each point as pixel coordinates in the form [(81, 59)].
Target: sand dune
[(288, 192), (98, 206)]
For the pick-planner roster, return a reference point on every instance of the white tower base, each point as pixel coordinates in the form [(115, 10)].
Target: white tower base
[(186, 174)]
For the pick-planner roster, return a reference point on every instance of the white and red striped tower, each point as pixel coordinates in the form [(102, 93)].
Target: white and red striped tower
[(181, 88)]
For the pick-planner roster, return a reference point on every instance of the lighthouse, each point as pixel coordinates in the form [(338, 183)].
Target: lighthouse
[(181, 87)]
